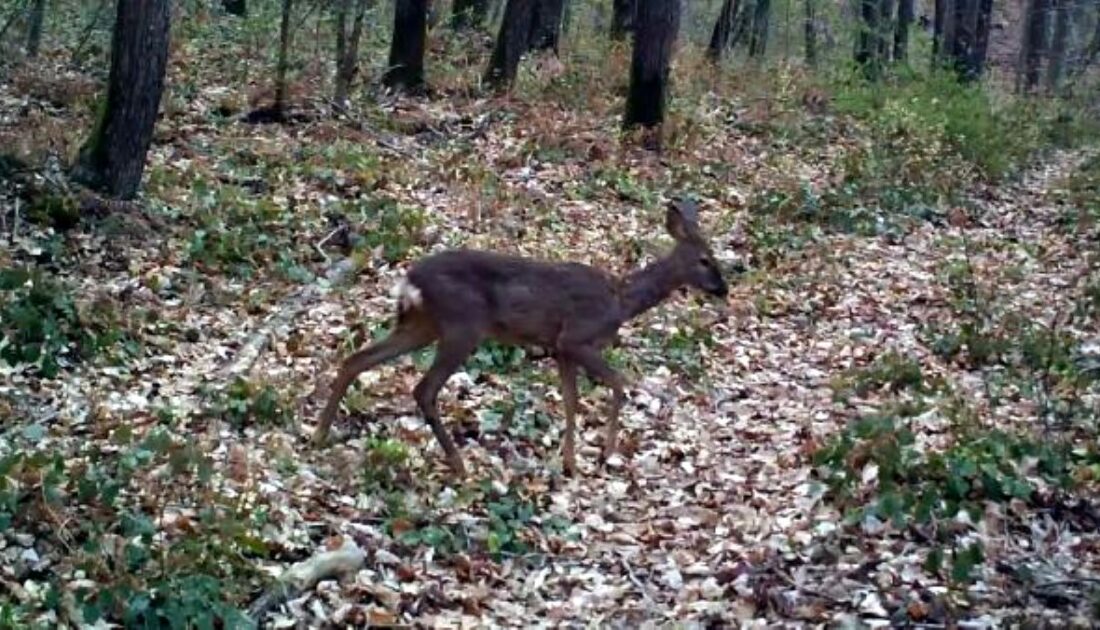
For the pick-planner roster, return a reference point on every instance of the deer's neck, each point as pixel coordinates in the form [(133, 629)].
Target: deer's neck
[(649, 286)]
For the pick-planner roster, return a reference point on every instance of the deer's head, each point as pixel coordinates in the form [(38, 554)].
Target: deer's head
[(694, 260)]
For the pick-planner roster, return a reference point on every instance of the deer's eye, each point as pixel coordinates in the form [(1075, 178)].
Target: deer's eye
[(704, 261)]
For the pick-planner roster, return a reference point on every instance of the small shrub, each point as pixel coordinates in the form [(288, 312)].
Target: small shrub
[(40, 322), (246, 403), (386, 463), (386, 226), (890, 371), (875, 468)]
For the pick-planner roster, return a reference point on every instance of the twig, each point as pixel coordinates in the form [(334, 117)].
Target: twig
[(320, 244), (634, 578), (87, 34)]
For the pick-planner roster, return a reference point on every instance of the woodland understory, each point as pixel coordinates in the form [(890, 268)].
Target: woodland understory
[(892, 420)]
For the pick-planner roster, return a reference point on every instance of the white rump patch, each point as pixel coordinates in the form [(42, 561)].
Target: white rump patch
[(407, 295)]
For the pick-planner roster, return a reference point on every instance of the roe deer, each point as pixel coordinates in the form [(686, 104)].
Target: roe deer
[(460, 298)]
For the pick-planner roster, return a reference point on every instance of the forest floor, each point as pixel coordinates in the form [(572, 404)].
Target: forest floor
[(717, 511)]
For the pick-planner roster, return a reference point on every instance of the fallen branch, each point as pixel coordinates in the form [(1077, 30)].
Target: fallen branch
[(304, 575), (285, 313)]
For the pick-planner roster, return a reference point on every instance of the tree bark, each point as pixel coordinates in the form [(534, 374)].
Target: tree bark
[(758, 35), (623, 17), (867, 44), (235, 7), (35, 18), (981, 37), (283, 64), (410, 34), (658, 22), (809, 31), (723, 28), (512, 42), (546, 25), (347, 46), (901, 30), (1034, 43), (469, 14), (1058, 45), (939, 22), (112, 160)]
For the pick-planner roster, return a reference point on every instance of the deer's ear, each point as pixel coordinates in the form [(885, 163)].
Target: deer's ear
[(681, 220)]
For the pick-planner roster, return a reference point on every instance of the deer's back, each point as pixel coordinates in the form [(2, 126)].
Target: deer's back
[(515, 299)]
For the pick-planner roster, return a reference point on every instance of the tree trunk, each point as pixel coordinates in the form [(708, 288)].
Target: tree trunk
[(867, 44), (410, 34), (1058, 45), (901, 30), (512, 41), (112, 160), (810, 32), (235, 7), (723, 28), (283, 64), (939, 20), (469, 14), (623, 17), (546, 25), (981, 37), (347, 46), (35, 18), (658, 22), (1034, 43), (885, 19), (758, 36)]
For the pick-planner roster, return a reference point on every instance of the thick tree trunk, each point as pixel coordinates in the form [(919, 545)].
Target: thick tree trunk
[(235, 7), (112, 160), (761, 21), (901, 30), (512, 42), (410, 34), (546, 25), (35, 18), (1034, 44), (347, 46), (1058, 45), (809, 32), (469, 14), (723, 28), (283, 64), (658, 22), (623, 17)]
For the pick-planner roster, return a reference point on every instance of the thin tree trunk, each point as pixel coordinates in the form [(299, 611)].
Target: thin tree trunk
[(546, 25), (658, 22), (1034, 42), (623, 17), (981, 37), (810, 32), (512, 41), (761, 20), (885, 19), (1058, 45), (34, 27), (939, 20), (113, 158), (410, 34), (901, 30), (347, 47), (867, 45), (723, 28), (283, 64)]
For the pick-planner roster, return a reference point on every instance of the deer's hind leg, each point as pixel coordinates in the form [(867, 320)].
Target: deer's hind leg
[(409, 335), (455, 346)]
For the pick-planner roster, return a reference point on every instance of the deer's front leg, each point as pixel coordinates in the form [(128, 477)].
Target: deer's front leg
[(593, 362), (567, 370)]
